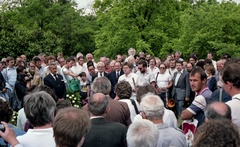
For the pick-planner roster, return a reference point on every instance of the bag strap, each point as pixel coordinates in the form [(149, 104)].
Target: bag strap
[(156, 78), (220, 95), (135, 106)]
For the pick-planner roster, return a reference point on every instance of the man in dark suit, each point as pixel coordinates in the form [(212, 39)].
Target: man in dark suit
[(181, 87), (114, 75), (101, 71), (103, 133), (55, 81)]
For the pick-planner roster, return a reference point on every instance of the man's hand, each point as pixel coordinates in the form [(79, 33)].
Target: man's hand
[(9, 135)]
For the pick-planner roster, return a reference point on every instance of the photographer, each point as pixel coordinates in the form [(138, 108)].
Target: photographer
[(22, 83), (6, 114)]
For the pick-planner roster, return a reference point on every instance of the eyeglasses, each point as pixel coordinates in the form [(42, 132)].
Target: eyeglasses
[(162, 67)]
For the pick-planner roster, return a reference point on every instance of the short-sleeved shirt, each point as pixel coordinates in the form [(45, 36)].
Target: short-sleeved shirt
[(199, 104), (143, 79), (162, 79)]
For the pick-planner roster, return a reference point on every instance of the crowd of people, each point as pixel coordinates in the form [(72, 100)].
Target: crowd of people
[(135, 100)]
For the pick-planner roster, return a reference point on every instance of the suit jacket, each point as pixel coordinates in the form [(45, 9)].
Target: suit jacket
[(57, 85), (182, 89), (96, 75), (114, 79), (105, 133)]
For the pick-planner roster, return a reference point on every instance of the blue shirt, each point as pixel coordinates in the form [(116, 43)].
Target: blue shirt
[(10, 75)]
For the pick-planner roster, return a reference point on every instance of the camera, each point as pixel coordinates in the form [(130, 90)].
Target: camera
[(2, 128)]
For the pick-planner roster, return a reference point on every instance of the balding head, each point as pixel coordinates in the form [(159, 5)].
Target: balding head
[(98, 104), (218, 110)]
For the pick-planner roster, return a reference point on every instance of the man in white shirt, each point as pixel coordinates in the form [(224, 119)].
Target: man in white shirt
[(39, 109), (129, 76), (231, 85), (143, 75)]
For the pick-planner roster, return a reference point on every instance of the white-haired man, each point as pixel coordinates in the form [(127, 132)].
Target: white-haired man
[(142, 133), (153, 109)]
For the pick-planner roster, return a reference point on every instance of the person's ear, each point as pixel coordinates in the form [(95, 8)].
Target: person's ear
[(143, 115), (107, 110)]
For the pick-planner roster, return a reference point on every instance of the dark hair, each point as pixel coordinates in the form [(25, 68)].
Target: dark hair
[(180, 62), (142, 90), (20, 69), (143, 63), (208, 61), (200, 71), (5, 111), (231, 74), (82, 74), (62, 104), (123, 90), (90, 63), (36, 58), (194, 57), (201, 64)]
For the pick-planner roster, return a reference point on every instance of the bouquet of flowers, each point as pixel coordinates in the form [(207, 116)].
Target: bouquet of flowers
[(14, 118), (74, 98)]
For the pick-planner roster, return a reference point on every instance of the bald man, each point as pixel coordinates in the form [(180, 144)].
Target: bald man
[(217, 110), (102, 130)]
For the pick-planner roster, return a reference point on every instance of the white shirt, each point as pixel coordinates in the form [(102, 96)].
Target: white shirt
[(143, 79), (131, 107), (171, 71), (129, 78), (37, 138), (234, 104), (153, 71), (162, 79), (21, 119)]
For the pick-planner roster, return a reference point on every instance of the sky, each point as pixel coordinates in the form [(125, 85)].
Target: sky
[(86, 4)]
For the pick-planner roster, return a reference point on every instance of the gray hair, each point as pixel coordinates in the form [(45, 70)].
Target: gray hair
[(101, 85), (152, 106), (97, 104), (218, 110), (39, 108), (142, 133), (130, 50)]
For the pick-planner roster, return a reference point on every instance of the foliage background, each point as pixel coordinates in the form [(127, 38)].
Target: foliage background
[(157, 27)]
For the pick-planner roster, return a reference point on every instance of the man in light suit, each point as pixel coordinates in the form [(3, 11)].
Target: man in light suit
[(103, 133), (114, 75), (181, 87), (55, 81), (101, 71)]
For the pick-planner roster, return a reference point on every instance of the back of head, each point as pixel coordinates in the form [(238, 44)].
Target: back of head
[(70, 126), (217, 133), (152, 106), (123, 90), (231, 74), (101, 85), (218, 110), (5, 110), (97, 104), (39, 108), (142, 133), (142, 90)]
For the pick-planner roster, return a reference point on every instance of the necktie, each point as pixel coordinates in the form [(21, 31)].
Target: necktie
[(55, 76), (100, 74), (118, 75)]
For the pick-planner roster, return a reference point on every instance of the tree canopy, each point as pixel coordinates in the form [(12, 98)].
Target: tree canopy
[(157, 27)]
